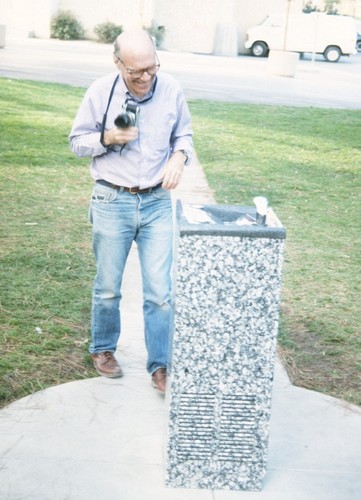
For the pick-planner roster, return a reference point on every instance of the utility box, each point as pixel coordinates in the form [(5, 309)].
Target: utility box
[(227, 285), (2, 36)]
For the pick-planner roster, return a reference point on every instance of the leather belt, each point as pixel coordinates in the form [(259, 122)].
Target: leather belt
[(132, 190)]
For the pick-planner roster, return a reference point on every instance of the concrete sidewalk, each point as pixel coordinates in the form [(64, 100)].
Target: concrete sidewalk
[(104, 439), (233, 79)]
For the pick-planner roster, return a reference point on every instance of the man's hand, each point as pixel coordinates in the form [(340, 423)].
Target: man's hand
[(116, 135), (173, 171)]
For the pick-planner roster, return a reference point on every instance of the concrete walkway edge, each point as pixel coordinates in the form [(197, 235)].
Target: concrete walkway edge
[(102, 438)]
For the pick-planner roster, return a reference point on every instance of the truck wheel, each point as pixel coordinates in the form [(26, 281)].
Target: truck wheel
[(358, 45), (259, 49), (332, 53)]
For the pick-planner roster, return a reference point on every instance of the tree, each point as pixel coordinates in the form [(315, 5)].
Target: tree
[(310, 7), (331, 6)]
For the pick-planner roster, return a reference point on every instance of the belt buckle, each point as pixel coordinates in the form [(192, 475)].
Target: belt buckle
[(134, 190)]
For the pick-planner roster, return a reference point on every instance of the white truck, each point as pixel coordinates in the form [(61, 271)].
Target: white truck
[(332, 36)]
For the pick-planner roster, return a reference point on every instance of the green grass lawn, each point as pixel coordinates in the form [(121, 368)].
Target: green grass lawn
[(46, 262), (307, 162)]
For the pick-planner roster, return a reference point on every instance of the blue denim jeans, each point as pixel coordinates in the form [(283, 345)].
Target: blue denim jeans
[(118, 219)]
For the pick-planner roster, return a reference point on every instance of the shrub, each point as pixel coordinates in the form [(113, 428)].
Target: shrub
[(65, 26), (310, 7), (157, 33), (107, 32)]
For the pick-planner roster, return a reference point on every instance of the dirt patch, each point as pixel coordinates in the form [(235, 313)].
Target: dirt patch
[(314, 364)]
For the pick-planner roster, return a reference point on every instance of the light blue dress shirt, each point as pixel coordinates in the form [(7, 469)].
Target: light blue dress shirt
[(164, 128)]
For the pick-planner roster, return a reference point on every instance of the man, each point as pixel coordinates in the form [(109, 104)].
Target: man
[(134, 167)]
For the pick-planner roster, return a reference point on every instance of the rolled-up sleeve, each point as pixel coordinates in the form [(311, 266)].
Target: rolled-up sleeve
[(181, 138), (84, 137)]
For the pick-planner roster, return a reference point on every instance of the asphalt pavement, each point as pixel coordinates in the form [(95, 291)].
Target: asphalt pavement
[(101, 438), (317, 83)]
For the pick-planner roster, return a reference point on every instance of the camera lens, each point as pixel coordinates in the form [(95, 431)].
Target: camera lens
[(123, 121)]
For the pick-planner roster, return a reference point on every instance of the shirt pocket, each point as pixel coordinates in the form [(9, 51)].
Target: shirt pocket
[(157, 135)]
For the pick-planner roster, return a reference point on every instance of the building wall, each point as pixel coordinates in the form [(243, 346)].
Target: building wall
[(126, 13), (24, 17), (27, 18), (193, 25), (190, 25)]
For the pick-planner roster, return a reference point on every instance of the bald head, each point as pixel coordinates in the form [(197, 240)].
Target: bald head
[(136, 60), (133, 43)]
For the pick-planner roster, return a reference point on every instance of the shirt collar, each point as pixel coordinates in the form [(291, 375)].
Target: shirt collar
[(134, 98)]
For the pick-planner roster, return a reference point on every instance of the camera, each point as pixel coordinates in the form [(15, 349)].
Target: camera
[(129, 117)]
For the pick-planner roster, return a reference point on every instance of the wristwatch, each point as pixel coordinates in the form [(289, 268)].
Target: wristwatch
[(187, 154)]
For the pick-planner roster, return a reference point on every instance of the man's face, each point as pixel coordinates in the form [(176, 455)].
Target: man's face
[(134, 71)]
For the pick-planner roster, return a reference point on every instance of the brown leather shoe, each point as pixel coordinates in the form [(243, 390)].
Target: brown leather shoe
[(106, 364), (159, 379)]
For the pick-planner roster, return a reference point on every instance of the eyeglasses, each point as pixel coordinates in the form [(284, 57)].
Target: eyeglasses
[(137, 73)]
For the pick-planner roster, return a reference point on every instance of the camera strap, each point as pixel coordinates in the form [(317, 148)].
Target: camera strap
[(104, 121), (102, 130)]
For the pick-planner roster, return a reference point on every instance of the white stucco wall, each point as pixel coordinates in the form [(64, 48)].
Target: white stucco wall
[(191, 25), (24, 18), (33, 16), (126, 13)]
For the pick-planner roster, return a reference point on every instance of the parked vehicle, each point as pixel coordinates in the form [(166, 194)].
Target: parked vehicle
[(358, 42), (330, 35)]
